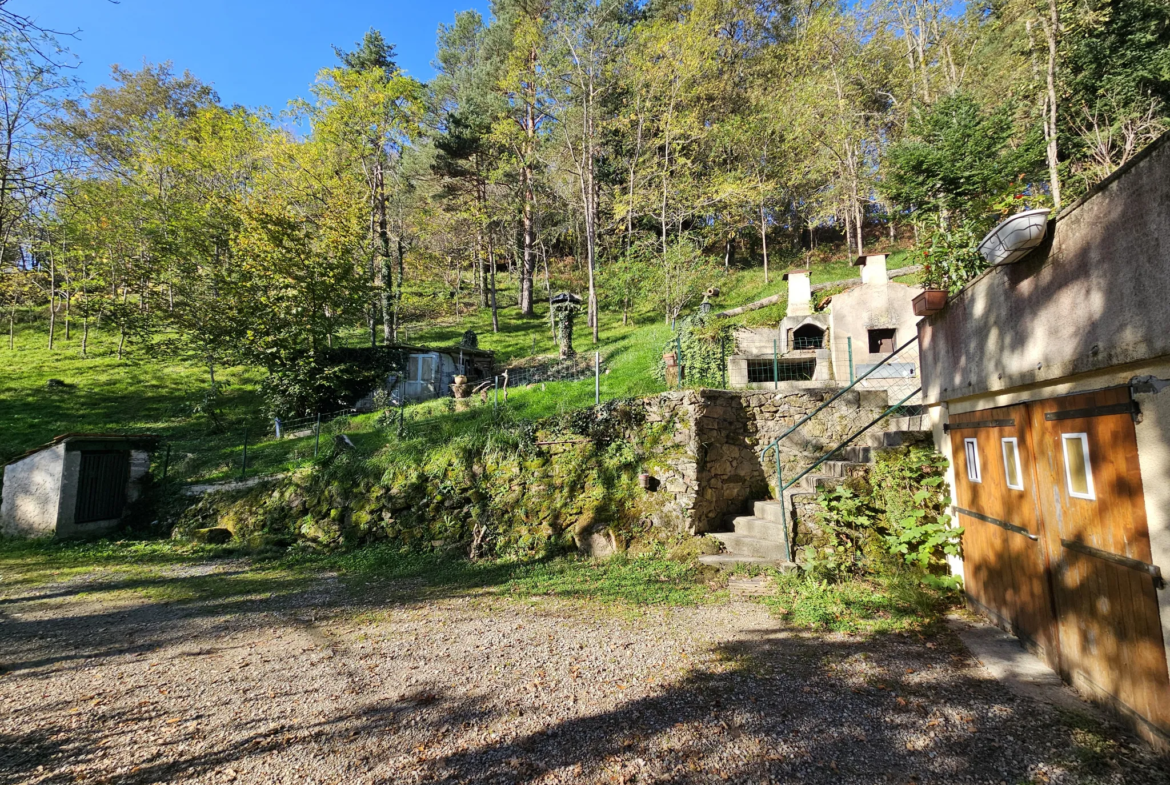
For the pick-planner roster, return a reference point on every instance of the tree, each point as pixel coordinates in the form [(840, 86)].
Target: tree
[(369, 118), (957, 159)]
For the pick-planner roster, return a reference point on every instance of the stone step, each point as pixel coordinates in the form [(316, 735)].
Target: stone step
[(770, 510), (759, 527), (900, 438), (916, 422), (727, 561), (744, 545), (856, 454)]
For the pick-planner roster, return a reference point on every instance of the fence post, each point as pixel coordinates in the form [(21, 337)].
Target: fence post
[(775, 367), (496, 400), (723, 358), (678, 346), (849, 345), (317, 442), (244, 465), (402, 412), (166, 462), (277, 427), (596, 378)]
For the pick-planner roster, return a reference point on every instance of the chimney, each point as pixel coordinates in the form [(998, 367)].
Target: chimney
[(799, 293), (873, 268)]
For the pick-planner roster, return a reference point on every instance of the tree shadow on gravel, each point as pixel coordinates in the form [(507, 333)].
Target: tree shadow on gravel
[(780, 708)]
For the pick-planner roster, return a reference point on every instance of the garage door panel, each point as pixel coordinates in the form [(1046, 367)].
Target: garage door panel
[(1093, 508), (1005, 561)]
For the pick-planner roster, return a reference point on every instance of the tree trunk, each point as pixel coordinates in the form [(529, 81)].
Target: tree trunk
[(52, 299), (386, 270), (398, 288), (764, 239), (492, 265), (529, 262), (1051, 31)]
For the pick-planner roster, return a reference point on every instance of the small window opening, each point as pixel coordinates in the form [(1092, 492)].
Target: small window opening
[(1078, 470), (971, 446), (881, 341), (1011, 464), (808, 336)]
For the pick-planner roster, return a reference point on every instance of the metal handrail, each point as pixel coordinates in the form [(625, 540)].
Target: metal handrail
[(774, 447), (776, 444)]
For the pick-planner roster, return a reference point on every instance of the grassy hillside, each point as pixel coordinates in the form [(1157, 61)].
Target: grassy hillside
[(145, 394)]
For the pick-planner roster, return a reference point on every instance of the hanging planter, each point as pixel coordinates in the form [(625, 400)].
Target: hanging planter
[(1015, 236), (930, 302)]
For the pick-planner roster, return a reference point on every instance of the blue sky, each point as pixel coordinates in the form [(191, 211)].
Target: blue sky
[(255, 52)]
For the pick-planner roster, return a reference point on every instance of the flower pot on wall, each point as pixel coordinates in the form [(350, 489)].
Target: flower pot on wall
[(930, 302)]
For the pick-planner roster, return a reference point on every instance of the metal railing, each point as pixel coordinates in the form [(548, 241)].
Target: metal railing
[(896, 374)]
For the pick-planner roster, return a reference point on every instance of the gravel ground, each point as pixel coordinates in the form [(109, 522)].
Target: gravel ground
[(317, 688)]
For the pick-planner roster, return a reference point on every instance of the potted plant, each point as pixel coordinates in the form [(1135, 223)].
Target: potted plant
[(934, 295)]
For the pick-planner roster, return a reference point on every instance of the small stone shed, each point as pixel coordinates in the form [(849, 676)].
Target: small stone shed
[(430, 372), (77, 485)]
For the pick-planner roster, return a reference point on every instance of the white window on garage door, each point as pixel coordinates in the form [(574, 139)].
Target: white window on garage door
[(971, 447)]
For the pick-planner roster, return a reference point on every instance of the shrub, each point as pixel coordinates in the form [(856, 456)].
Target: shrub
[(328, 380), (897, 511)]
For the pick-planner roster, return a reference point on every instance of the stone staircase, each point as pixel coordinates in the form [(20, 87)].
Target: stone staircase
[(759, 538)]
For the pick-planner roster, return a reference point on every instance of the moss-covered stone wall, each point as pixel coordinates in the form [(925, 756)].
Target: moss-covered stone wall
[(571, 481)]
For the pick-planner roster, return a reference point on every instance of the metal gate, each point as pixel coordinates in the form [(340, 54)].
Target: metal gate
[(1056, 546), (101, 485)]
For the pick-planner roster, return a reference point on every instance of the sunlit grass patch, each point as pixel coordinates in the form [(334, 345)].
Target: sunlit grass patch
[(872, 605)]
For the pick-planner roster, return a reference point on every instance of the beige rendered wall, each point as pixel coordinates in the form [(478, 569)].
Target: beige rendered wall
[(32, 492), (869, 307)]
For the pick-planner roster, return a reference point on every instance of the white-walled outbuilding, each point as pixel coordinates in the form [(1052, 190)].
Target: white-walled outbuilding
[(77, 485)]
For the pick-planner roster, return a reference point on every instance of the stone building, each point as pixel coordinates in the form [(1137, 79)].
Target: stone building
[(863, 325), (1046, 382), (77, 485)]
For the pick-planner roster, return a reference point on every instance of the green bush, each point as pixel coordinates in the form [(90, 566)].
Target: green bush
[(705, 344), (892, 521), (328, 380)]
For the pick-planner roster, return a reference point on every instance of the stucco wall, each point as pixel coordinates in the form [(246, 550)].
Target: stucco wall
[(869, 307), (32, 488), (1094, 297)]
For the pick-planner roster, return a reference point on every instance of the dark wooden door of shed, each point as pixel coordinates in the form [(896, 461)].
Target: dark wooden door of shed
[(101, 485), (1065, 560), (1005, 553)]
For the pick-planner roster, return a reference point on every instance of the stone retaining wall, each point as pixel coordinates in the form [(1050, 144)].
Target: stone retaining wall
[(712, 468)]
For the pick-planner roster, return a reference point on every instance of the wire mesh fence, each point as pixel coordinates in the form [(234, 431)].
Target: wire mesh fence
[(567, 369)]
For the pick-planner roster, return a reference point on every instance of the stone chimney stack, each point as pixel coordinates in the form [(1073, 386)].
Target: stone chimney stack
[(873, 269), (799, 293)]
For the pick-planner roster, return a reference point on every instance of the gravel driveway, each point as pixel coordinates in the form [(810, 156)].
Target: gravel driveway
[(319, 687)]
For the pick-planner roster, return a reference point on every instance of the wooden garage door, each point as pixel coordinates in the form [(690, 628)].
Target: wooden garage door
[(1093, 508), (1005, 555)]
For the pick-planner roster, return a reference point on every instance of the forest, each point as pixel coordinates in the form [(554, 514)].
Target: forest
[(632, 152)]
